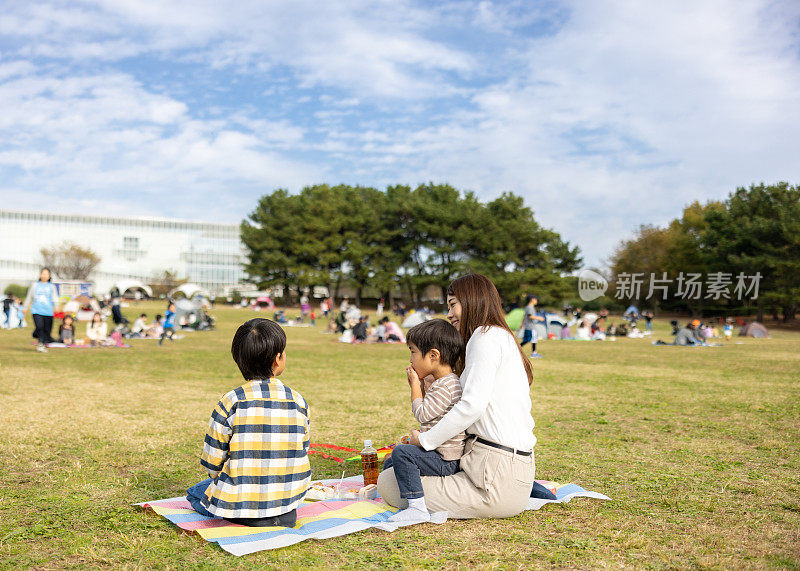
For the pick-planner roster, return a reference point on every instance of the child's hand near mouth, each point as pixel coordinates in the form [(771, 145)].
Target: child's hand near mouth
[(413, 377)]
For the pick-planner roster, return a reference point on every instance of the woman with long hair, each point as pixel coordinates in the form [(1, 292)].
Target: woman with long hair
[(497, 468), (42, 299), (97, 330)]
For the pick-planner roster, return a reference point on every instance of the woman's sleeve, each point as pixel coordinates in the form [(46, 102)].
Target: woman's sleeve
[(478, 379)]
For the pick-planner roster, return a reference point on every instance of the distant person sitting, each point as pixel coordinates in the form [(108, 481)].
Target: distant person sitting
[(97, 331), (728, 329), (360, 330), (156, 329), (380, 332), (340, 322), (20, 312), (584, 332), (688, 336), (393, 332), (139, 326), (66, 331)]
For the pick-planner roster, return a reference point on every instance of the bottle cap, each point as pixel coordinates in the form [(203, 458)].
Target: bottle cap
[(367, 443)]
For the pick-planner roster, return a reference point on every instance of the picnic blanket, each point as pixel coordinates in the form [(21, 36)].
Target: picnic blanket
[(315, 520), (87, 346)]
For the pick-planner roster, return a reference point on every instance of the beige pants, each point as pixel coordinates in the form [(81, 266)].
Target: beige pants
[(492, 484)]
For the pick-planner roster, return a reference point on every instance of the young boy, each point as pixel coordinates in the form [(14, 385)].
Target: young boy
[(139, 326), (169, 324), (256, 445), (436, 349)]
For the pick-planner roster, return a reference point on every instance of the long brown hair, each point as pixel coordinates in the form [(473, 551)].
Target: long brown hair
[(481, 307)]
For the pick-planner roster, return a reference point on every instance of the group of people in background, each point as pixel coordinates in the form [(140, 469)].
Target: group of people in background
[(361, 330), (13, 316), (696, 332), (43, 302)]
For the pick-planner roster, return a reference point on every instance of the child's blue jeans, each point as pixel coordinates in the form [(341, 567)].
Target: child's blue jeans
[(198, 491), (411, 462)]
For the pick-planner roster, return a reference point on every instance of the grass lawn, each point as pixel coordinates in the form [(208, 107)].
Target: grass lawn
[(698, 448)]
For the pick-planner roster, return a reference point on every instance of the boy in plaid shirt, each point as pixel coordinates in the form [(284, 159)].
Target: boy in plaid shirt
[(256, 445)]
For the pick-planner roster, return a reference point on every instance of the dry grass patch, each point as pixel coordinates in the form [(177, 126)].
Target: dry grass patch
[(698, 448)]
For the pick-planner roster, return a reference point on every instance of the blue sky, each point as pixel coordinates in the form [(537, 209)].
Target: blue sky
[(604, 115)]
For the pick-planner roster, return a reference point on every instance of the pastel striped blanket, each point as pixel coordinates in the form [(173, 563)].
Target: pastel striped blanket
[(315, 520)]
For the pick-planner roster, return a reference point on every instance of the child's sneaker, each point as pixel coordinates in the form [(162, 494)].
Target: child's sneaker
[(41, 349), (536, 355)]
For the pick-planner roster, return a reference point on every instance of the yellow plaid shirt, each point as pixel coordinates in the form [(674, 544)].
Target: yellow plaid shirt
[(256, 451)]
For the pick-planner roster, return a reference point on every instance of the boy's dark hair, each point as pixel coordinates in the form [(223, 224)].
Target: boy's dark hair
[(440, 335), (255, 345), (143, 315)]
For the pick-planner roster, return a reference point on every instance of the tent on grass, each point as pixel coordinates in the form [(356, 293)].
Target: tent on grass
[(188, 291), (754, 329), (415, 318), (189, 313), (131, 287), (514, 318), (552, 324)]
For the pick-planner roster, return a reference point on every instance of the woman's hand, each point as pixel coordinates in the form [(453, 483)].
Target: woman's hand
[(415, 438)]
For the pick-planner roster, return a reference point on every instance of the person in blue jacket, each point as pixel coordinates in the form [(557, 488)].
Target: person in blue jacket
[(42, 299), (169, 323)]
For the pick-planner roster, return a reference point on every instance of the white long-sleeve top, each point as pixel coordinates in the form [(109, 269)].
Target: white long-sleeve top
[(96, 332), (496, 401)]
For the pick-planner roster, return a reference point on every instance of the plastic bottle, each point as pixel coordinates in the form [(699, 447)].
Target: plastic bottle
[(369, 461)]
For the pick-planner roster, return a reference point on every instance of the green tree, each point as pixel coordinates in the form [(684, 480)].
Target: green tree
[(758, 231), (366, 236), (270, 235), (401, 238), (19, 291), (506, 244), (440, 217), (319, 242)]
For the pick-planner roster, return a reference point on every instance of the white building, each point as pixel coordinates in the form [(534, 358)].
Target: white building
[(206, 253)]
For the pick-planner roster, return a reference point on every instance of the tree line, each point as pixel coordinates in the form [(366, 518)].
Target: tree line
[(402, 240), (754, 232)]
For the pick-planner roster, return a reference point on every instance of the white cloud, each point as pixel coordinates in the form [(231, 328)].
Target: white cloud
[(107, 138), (624, 116), (380, 48), (604, 115)]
